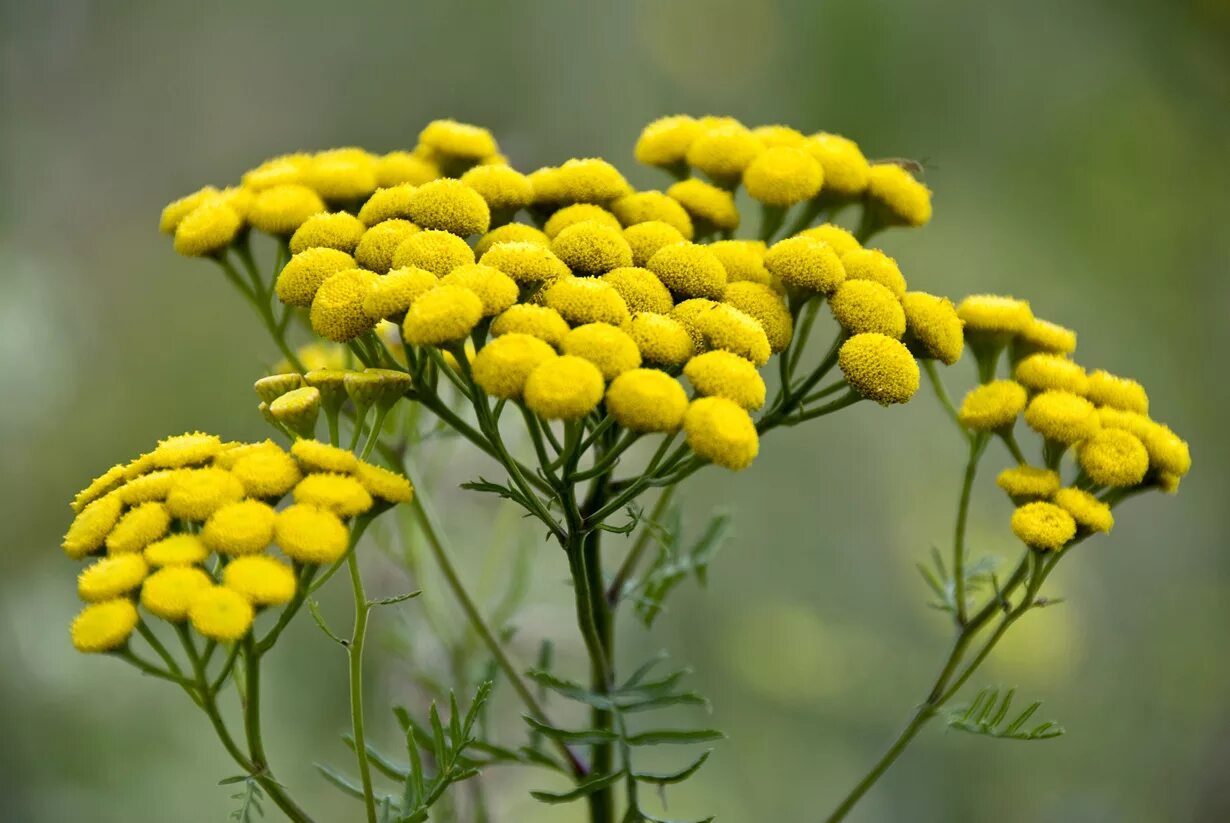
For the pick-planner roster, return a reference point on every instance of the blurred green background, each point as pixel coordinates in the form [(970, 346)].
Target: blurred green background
[(1078, 154)]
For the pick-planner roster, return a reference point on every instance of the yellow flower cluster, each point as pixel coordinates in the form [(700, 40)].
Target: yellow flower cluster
[(151, 526)]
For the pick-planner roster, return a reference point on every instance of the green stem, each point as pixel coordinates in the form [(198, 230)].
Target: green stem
[(977, 446), (355, 652), (941, 393), (643, 540)]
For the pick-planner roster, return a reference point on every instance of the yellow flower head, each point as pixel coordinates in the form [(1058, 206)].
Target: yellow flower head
[(177, 210), (277, 171), (661, 340), (269, 389), (386, 485), (399, 167), (665, 141), (1090, 514), (727, 328), (806, 263), (189, 449), (867, 306), (646, 238), (1041, 371), (1105, 389), (779, 135), (541, 322), (181, 549), (460, 140), (445, 314), (783, 176), (743, 260), (494, 288), (578, 213), (564, 388), (337, 309), (310, 534), (379, 243), (207, 229), (145, 463), (342, 174), (902, 199), (169, 592), (1062, 416), (139, 527), (994, 315), (239, 528), (148, 487), (451, 206), (1042, 335), (722, 374), (842, 241), (1168, 453), (314, 456), (111, 577), (766, 307), (607, 347), (586, 180), (263, 580), (689, 270), (647, 400), (724, 150), (297, 409), (647, 206), (992, 406), (220, 613), (392, 203), (879, 368), (1043, 526), (91, 526), (393, 293), (720, 431), (641, 289), (706, 203), (503, 188), (581, 300), (590, 247), (511, 233), (341, 494), (1028, 482), (692, 314), (502, 366), (526, 262), (304, 274), (436, 251), (108, 481), (283, 209), (198, 493), (101, 627), (331, 383), (934, 329), (874, 265), (846, 170)]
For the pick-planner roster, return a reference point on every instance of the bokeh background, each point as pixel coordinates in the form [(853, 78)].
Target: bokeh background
[(1078, 154)]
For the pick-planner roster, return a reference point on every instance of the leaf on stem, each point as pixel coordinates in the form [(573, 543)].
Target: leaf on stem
[(988, 716)]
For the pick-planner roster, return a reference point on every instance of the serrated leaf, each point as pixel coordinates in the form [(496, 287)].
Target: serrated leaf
[(667, 778), (584, 789)]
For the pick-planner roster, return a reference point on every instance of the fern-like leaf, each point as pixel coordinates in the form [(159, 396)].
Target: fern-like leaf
[(988, 715)]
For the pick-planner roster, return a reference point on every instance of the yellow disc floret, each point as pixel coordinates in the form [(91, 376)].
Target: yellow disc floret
[(436, 251), (766, 307), (902, 199), (1106, 389), (783, 176), (169, 592), (207, 229), (706, 203), (689, 270), (1042, 335), (647, 400), (239, 528), (502, 366), (992, 406), (806, 264), (384, 484), (662, 340), (379, 243), (106, 482), (190, 449), (653, 206), (341, 494), (526, 262), (111, 577), (607, 347), (1039, 372), (1062, 417), (866, 306), (646, 238), (310, 534), (392, 294), (494, 288), (879, 368), (315, 456), (174, 212), (724, 150), (537, 321), (445, 314), (846, 171), (511, 233), (564, 388), (342, 174), (449, 205), (101, 627), (263, 580), (455, 139), (720, 431), (221, 614), (304, 274), (337, 309), (139, 527), (91, 526), (581, 300), (641, 289), (722, 374), (504, 188), (743, 260), (181, 549), (994, 314), (1028, 482), (399, 167), (1090, 514), (590, 247), (665, 141), (1043, 526), (727, 328), (392, 203), (933, 328), (875, 265), (842, 240), (340, 231), (282, 209), (579, 213)]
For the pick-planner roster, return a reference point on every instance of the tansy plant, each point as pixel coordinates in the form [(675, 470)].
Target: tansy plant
[(600, 345)]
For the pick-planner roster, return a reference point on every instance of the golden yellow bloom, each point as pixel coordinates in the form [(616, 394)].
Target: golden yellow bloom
[(315, 456), (585, 180), (269, 389), (90, 527), (779, 135), (720, 431), (706, 203), (445, 314), (511, 233), (342, 174), (283, 209), (169, 592), (384, 484), (590, 247), (379, 243), (220, 613), (723, 151), (207, 229), (181, 549), (934, 329), (1041, 371), (806, 263), (101, 627), (526, 262), (766, 307), (304, 274), (449, 205), (689, 270), (239, 528), (337, 309), (874, 265), (198, 493), (665, 141), (494, 288), (641, 289), (609, 348), (1062, 417), (461, 140), (148, 487), (436, 251), (564, 388), (278, 171), (399, 167), (502, 366), (537, 321), (783, 176), (1043, 526), (579, 213), (108, 481), (263, 580), (1106, 389), (297, 409), (653, 206), (189, 449), (993, 314), (646, 238), (339, 493), (140, 526), (393, 293), (1114, 457), (722, 374), (318, 355), (1042, 335), (725, 327), (111, 577), (581, 300), (992, 406), (1090, 514), (503, 188), (743, 260), (691, 314), (1025, 482), (392, 203), (661, 340), (879, 368), (1168, 483), (647, 400), (145, 463), (903, 200), (1168, 453), (867, 306), (842, 240), (310, 534), (174, 212), (846, 170)]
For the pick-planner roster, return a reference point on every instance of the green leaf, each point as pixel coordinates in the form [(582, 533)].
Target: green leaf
[(987, 714), (389, 601), (674, 736), (314, 610), (580, 736), (584, 789), (662, 779), (571, 690), (382, 763)]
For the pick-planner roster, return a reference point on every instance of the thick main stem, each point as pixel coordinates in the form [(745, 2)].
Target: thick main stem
[(602, 802)]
